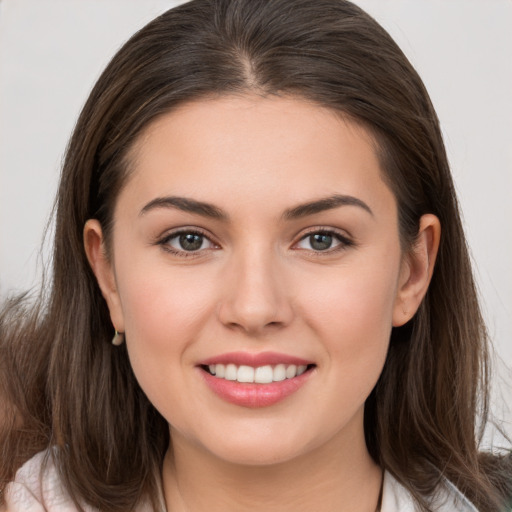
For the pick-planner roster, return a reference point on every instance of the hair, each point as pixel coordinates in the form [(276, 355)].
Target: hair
[(63, 382)]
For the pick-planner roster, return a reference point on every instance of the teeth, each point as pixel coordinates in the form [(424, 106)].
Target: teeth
[(231, 372), (279, 373), (259, 375), (245, 374), (291, 371), (301, 369), (263, 375)]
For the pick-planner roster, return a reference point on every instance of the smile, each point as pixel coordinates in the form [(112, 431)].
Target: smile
[(255, 380), (260, 375)]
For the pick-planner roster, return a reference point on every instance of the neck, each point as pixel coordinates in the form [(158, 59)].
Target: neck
[(339, 476)]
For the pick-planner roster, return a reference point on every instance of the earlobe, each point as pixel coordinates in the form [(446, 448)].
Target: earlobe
[(103, 270), (417, 270)]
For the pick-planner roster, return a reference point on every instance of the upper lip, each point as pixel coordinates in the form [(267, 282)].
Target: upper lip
[(255, 359)]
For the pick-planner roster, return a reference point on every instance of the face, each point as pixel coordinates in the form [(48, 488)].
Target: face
[(256, 271)]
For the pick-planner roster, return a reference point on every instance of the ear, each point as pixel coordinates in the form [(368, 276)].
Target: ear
[(103, 269), (417, 269)]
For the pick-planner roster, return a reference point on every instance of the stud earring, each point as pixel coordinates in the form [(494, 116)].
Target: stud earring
[(118, 338)]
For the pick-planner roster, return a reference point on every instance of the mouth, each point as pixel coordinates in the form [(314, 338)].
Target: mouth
[(255, 380), (266, 374)]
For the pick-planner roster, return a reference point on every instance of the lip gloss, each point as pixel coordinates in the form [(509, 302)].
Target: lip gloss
[(254, 395)]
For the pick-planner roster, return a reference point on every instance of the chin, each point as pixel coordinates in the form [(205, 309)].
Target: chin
[(266, 447), (258, 456)]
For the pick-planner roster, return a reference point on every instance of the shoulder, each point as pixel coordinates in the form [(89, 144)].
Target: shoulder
[(396, 498), (38, 488)]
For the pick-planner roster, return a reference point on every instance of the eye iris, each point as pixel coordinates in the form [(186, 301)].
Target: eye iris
[(320, 241), (191, 241)]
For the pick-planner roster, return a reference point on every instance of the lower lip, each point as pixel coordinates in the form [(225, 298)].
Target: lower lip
[(254, 395)]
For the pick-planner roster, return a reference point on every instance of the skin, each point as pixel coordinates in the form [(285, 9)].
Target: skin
[(257, 284)]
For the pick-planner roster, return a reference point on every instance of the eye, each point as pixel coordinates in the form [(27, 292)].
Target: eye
[(323, 241), (187, 242)]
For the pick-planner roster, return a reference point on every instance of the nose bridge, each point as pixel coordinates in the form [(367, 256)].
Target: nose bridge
[(255, 297)]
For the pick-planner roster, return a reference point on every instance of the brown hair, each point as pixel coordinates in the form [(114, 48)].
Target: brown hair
[(63, 381)]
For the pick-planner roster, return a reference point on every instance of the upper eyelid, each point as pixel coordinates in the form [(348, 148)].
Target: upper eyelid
[(169, 234), (340, 233), (324, 229)]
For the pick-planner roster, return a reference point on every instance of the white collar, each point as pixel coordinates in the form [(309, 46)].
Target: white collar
[(396, 498)]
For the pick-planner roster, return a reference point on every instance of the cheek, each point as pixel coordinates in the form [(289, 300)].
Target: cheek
[(352, 309), (353, 318), (165, 313), (164, 310)]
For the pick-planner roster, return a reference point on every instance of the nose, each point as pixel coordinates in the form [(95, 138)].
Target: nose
[(255, 298)]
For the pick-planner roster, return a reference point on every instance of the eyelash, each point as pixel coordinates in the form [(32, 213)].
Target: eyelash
[(164, 242), (344, 242)]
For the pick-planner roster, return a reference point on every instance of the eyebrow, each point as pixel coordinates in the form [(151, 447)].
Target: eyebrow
[(186, 205), (212, 211), (324, 204)]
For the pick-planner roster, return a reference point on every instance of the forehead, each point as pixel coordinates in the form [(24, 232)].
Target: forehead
[(274, 149)]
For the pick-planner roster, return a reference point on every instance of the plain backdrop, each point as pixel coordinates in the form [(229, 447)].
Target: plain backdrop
[(52, 51)]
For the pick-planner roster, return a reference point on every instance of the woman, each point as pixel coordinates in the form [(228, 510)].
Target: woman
[(261, 294)]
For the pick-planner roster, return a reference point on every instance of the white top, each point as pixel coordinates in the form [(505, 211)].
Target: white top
[(27, 493)]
